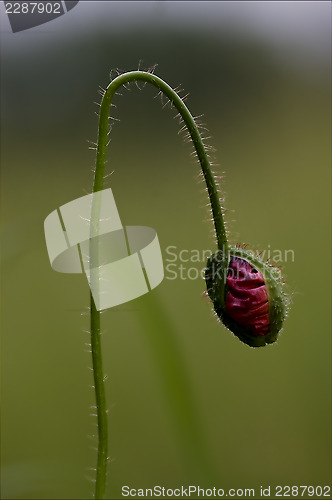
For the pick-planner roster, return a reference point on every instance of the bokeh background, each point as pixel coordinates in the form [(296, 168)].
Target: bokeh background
[(188, 403)]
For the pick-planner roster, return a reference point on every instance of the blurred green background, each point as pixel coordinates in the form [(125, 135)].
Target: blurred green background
[(188, 403)]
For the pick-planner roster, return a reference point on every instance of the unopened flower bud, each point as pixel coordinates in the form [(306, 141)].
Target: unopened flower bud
[(247, 295)]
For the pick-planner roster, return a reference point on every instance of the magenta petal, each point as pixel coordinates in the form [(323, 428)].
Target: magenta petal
[(247, 298)]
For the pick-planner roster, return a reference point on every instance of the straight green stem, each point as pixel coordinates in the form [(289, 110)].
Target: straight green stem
[(98, 376)]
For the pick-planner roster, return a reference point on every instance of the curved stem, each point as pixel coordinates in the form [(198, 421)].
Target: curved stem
[(98, 186), (192, 129)]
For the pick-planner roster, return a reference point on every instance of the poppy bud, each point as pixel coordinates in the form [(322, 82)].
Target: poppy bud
[(247, 295)]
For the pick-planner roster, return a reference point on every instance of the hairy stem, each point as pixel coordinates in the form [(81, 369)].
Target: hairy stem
[(98, 186), (98, 376)]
